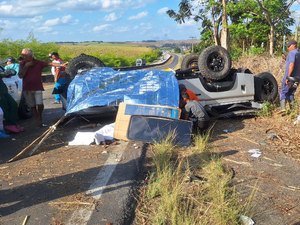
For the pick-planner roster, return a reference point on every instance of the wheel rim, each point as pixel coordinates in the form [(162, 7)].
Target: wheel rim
[(267, 87), (215, 62), (193, 64)]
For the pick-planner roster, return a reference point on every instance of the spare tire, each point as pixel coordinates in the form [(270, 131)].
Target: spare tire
[(82, 63), (214, 63), (190, 62), (266, 87)]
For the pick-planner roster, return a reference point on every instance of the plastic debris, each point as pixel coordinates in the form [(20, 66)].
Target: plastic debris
[(297, 121), (255, 153), (228, 130), (245, 220)]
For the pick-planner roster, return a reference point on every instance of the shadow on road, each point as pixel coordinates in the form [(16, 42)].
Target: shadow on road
[(54, 188)]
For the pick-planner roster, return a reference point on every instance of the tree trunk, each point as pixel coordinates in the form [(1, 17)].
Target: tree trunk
[(224, 31), (296, 30), (271, 39)]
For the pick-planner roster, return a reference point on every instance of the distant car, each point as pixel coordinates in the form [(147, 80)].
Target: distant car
[(140, 62), (14, 86)]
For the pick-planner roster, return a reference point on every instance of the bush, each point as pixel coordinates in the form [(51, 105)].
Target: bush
[(256, 50)]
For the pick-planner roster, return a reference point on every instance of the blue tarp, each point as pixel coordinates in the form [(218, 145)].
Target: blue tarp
[(104, 86)]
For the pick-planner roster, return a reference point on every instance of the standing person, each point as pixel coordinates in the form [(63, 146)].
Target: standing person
[(292, 69), (31, 73), (59, 76)]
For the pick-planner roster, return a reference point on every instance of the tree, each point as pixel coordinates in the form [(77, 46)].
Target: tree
[(275, 13), (205, 11)]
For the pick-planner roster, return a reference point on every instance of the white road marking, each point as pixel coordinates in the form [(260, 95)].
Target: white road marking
[(83, 215)]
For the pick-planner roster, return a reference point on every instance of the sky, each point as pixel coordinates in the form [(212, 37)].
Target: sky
[(93, 20)]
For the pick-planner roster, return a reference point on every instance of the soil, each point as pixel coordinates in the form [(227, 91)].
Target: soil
[(270, 183)]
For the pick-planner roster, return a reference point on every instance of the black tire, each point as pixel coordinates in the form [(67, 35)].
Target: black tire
[(190, 62), (214, 63), (24, 110), (82, 63), (266, 87)]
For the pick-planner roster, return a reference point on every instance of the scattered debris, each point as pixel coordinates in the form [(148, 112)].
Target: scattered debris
[(297, 121), (229, 130), (255, 153), (245, 220), (25, 220), (38, 141)]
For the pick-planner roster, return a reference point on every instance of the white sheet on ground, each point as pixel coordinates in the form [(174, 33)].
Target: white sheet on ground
[(87, 138)]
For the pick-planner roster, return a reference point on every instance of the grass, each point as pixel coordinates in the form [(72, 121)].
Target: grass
[(293, 110), (266, 109), (184, 187)]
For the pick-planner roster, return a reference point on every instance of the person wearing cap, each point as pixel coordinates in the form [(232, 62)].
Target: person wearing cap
[(59, 76), (12, 64), (292, 69)]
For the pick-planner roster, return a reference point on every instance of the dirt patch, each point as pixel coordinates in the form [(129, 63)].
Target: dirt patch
[(272, 178)]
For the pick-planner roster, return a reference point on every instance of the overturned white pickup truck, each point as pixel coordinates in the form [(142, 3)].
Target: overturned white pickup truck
[(225, 91)]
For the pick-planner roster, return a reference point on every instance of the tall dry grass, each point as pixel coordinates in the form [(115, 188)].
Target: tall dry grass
[(187, 186)]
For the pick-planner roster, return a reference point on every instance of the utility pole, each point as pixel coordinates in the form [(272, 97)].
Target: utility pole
[(192, 43)]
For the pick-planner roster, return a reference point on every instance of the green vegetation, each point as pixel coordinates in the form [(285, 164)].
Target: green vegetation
[(188, 186), (266, 109), (293, 110), (113, 55), (247, 26)]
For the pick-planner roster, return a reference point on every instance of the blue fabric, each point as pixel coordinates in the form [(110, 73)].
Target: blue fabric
[(14, 66), (61, 82), (285, 94), (104, 86)]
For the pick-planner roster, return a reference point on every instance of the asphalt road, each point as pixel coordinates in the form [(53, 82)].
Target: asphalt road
[(62, 184)]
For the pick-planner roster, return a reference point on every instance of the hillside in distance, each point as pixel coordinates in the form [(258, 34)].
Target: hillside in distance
[(146, 43)]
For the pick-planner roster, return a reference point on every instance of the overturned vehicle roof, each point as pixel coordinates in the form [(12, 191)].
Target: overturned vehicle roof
[(101, 89)]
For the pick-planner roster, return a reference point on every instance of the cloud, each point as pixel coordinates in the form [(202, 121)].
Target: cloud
[(138, 16), (58, 21), (111, 17), (26, 8), (100, 27), (162, 10), (29, 8)]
